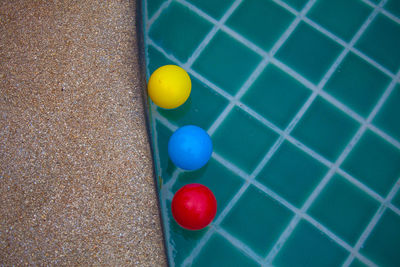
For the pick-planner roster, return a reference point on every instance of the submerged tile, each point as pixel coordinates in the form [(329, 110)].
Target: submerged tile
[(257, 220), (357, 84), (341, 17), (382, 246), (276, 96), (262, 22), (309, 52), (344, 209), (374, 162), (357, 263), (226, 62), (292, 174), (307, 246), (177, 38), (325, 129), (381, 41), (243, 140)]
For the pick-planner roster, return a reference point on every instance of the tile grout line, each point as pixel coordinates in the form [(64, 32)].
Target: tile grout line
[(361, 186), (292, 225), (383, 11), (374, 221), (272, 126), (394, 208), (385, 136), (238, 244)]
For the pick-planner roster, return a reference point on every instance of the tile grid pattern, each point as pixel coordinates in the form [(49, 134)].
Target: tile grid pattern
[(235, 101)]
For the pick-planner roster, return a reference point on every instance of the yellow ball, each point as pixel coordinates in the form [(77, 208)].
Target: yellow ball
[(169, 86)]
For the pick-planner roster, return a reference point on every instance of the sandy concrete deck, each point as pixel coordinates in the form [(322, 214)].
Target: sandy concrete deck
[(76, 175)]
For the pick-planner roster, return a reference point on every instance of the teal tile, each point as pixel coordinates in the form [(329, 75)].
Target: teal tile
[(325, 129), (341, 17), (177, 38), (357, 263), (181, 241), (220, 180), (215, 9), (296, 4), (276, 96), (166, 165), (357, 84), (396, 200), (201, 109), (309, 52), (344, 209), (219, 252), (387, 118), (307, 246), (374, 162), (381, 42), (292, 174), (382, 246), (243, 140), (153, 6), (226, 62), (260, 21), (156, 59), (393, 6), (257, 220)]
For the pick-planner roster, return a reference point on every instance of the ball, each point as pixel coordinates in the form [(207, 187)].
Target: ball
[(169, 86), (194, 206), (190, 147)]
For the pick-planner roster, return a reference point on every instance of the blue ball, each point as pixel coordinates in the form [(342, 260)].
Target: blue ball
[(190, 147)]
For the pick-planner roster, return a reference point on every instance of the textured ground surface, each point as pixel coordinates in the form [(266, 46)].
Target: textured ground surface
[(76, 179)]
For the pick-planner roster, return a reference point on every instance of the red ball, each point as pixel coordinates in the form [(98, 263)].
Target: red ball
[(194, 206)]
